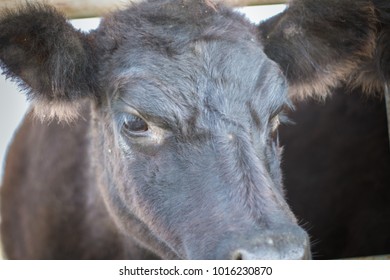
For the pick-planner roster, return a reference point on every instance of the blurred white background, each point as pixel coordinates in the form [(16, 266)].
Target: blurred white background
[(13, 104)]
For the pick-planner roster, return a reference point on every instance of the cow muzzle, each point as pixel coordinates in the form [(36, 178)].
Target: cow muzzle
[(280, 244)]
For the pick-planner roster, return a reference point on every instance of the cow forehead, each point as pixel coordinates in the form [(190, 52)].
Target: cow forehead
[(172, 68), (219, 76)]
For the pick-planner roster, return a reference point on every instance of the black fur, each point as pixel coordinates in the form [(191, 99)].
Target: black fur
[(323, 44), (46, 54), (336, 164), (203, 180)]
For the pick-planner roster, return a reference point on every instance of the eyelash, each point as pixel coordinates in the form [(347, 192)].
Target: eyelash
[(132, 125)]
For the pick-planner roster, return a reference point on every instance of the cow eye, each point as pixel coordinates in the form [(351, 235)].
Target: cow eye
[(134, 125)]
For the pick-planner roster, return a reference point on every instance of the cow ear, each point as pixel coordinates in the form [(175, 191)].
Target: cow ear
[(322, 44), (50, 59)]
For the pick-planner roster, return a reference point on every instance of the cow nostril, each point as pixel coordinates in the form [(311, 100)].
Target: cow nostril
[(243, 255), (281, 243), (272, 251), (237, 256)]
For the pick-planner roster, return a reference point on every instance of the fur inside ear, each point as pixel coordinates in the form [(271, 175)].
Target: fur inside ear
[(56, 110), (321, 44), (51, 60)]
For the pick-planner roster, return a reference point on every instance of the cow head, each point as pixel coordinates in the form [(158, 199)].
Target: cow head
[(186, 99)]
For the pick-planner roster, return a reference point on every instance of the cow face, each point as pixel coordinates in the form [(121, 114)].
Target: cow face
[(186, 103), (189, 141)]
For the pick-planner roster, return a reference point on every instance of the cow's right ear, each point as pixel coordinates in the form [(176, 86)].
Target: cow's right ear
[(322, 44), (51, 60)]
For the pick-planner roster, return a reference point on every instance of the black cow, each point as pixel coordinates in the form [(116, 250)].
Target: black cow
[(168, 143)]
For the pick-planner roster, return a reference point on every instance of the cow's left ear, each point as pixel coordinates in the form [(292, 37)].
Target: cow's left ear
[(322, 44), (52, 61)]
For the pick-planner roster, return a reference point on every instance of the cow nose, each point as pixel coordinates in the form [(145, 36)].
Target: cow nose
[(297, 253), (292, 245)]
